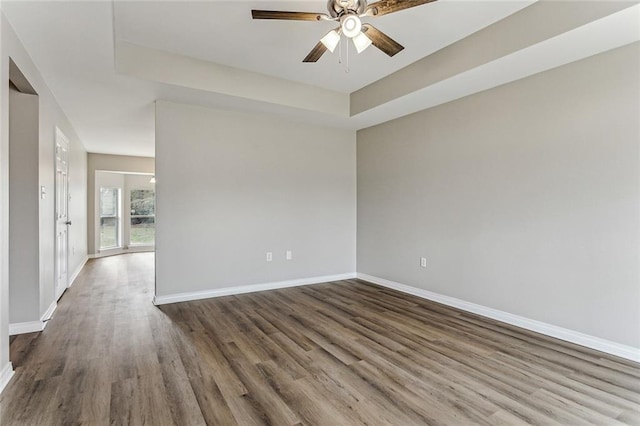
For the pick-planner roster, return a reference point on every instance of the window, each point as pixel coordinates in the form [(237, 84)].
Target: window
[(109, 218), (143, 217)]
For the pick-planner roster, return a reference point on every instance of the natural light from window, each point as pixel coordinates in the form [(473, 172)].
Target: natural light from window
[(143, 210), (109, 218)]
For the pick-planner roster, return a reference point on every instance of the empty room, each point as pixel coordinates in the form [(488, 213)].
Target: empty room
[(342, 212)]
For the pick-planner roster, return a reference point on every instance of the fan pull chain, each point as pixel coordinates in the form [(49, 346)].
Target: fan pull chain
[(346, 41), (347, 68)]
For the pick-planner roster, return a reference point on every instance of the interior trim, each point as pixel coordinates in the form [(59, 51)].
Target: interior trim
[(26, 327), (78, 270), (5, 375), (592, 342), (230, 291), (33, 326), (49, 312), (119, 251)]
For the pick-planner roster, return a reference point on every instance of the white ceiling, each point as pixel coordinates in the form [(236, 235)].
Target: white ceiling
[(223, 32), (72, 44)]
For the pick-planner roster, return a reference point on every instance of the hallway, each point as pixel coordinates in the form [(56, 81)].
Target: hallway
[(100, 333)]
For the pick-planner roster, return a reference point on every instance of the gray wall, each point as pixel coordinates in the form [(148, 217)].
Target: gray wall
[(232, 186), (5, 365), (524, 198), (110, 163), (50, 117), (24, 277)]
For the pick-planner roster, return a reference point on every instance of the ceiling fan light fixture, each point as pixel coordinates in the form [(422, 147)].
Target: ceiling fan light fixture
[(351, 25), (361, 42), (331, 40)]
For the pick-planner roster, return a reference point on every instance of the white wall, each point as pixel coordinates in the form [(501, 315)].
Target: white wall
[(51, 116), (232, 186), (524, 198)]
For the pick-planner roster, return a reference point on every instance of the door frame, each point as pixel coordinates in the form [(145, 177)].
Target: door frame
[(57, 288)]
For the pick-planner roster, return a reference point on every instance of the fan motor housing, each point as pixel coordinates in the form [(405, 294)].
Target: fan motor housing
[(338, 8)]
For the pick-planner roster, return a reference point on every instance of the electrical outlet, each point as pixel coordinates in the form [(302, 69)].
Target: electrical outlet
[(269, 256), (423, 262), (289, 255)]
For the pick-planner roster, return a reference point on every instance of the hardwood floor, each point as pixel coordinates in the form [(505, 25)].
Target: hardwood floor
[(344, 353)]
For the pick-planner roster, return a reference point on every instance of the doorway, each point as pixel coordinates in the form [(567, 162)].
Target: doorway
[(24, 199)]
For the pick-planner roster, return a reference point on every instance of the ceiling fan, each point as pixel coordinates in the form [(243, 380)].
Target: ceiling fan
[(348, 13)]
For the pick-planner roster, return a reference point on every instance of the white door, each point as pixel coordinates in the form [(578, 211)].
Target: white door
[(62, 213)]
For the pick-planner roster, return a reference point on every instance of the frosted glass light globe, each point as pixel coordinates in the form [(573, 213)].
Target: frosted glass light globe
[(351, 26)]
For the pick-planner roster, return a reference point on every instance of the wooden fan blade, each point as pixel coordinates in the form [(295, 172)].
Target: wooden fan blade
[(381, 40), (316, 53), (289, 16), (384, 7)]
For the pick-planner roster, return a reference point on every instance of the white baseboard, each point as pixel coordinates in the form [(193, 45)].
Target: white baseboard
[(26, 327), (613, 348), (5, 375), (49, 313), (77, 271), (33, 326), (139, 249), (116, 252), (230, 291)]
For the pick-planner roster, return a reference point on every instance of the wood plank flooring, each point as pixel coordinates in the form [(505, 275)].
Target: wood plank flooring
[(344, 353)]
